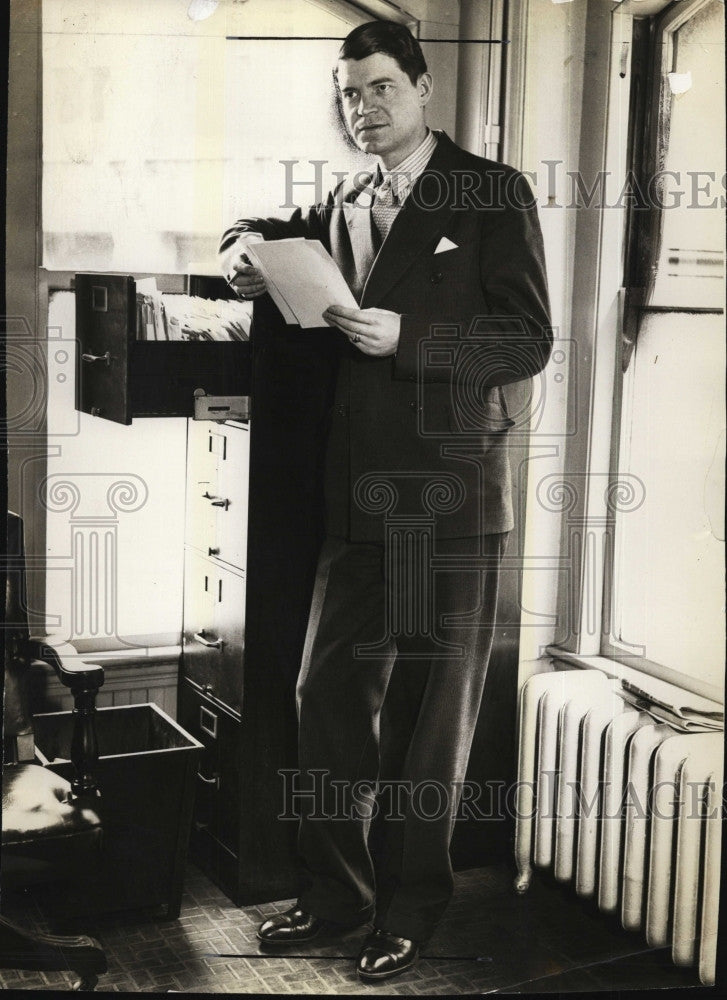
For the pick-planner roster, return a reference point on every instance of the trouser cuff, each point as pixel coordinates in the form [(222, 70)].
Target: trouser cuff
[(335, 915), (405, 927)]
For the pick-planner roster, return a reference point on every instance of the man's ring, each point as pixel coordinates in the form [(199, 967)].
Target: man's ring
[(355, 339)]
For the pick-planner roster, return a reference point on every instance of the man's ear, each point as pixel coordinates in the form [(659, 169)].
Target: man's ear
[(425, 86)]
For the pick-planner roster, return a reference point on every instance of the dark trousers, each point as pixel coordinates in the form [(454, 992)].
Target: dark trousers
[(385, 619)]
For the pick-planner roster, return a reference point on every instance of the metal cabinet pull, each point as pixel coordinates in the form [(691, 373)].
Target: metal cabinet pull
[(210, 643), (214, 780), (98, 357), (208, 722), (216, 501)]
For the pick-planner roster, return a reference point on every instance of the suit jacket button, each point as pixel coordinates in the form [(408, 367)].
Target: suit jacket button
[(436, 277)]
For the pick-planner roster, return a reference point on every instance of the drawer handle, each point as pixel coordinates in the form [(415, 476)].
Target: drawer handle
[(210, 643), (208, 722), (98, 357), (216, 501), (214, 780)]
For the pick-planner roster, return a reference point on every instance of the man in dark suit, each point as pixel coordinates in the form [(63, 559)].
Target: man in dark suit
[(443, 251)]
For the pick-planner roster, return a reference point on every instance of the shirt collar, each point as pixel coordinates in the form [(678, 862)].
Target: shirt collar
[(404, 176)]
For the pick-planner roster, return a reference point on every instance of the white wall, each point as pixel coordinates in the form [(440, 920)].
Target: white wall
[(552, 132)]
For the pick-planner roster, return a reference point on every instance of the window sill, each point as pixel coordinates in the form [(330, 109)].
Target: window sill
[(622, 671), (142, 655)]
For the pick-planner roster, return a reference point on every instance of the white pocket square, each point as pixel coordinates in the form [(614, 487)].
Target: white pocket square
[(445, 244)]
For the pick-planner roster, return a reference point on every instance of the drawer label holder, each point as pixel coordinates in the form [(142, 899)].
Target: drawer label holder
[(220, 407)]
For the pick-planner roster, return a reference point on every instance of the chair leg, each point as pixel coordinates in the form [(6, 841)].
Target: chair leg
[(21, 949)]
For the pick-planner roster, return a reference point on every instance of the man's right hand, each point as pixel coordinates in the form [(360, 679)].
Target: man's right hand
[(248, 282)]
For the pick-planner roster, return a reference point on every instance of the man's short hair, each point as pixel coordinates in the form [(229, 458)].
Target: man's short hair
[(393, 40)]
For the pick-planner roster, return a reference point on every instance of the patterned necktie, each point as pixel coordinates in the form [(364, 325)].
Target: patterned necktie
[(370, 218), (383, 210)]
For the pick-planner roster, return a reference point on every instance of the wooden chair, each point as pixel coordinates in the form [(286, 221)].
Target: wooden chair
[(51, 830)]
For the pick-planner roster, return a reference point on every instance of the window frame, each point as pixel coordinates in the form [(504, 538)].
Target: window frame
[(584, 597)]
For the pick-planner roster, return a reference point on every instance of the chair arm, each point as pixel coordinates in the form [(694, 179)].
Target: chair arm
[(71, 673), (84, 680)]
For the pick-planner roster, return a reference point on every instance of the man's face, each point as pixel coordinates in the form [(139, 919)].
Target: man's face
[(384, 110)]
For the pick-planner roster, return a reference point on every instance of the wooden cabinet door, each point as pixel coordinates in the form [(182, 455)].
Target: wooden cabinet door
[(105, 328)]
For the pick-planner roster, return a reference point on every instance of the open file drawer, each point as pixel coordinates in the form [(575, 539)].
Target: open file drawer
[(119, 377)]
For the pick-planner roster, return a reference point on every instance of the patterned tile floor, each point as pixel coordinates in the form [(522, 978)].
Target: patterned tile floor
[(490, 941)]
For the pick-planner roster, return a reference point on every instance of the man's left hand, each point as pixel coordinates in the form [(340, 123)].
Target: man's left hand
[(372, 331)]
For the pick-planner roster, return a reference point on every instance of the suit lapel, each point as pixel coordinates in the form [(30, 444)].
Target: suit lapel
[(358, 220), (415, 226), (351, 237)]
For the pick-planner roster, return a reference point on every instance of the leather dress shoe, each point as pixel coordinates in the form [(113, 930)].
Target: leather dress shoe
[(384, 955), (291, 926)]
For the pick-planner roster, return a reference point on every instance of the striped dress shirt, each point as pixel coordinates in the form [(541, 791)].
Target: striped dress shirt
[(392, 187)]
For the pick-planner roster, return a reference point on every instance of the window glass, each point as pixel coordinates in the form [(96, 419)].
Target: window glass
[(267, 79), (667, 588), (159, 130), (669, 558), (691, 265)]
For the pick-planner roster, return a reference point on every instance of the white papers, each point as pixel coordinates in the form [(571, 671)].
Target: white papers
[(275, 293), (149, 313), (668, 703), (190, 317), (302, 279)]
